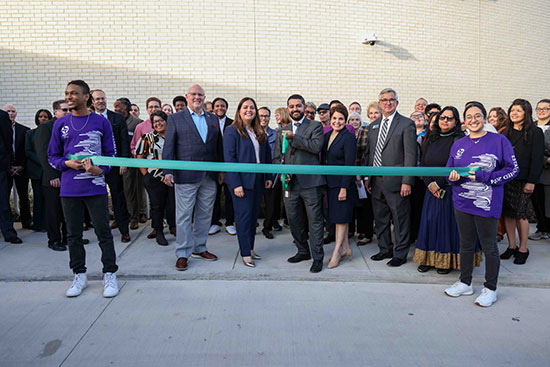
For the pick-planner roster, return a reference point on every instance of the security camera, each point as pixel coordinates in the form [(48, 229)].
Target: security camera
[(370, 40)]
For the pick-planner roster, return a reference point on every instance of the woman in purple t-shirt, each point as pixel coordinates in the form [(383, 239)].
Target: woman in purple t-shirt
[(478, 200)]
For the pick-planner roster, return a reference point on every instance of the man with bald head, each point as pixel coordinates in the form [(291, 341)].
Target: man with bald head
[(17, 173), (193, 135)]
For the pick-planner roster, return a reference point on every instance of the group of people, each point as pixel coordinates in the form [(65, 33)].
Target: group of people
[(450, 219)]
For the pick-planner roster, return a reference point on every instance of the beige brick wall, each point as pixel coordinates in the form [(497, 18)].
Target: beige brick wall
[(446, 51)]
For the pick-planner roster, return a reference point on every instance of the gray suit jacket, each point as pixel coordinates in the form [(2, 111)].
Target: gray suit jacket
[(400, 150), (183, 142), (304, 148)]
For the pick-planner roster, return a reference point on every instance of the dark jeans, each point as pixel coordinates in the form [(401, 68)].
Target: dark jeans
[(272, 198), (217, 211), (98, 207), (122, 217), (6, 219), (39, 208), (22, 187), (538, 198), (162, 199), (470, 226), (57, 229)]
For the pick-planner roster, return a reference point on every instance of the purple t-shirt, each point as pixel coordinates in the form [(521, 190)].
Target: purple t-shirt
[(92, 138), (495, 155)]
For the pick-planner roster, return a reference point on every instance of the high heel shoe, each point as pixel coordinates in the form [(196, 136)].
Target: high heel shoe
[(333, 263), (521, 257), (347, 253), (250, 263), (254, 255), (509, 253)]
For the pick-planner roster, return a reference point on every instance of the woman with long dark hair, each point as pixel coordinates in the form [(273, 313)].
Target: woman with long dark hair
[(477, 200), (438, 243), (245, 141), (528, 143)]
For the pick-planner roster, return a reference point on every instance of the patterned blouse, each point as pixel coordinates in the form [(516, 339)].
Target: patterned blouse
[(151, 145)]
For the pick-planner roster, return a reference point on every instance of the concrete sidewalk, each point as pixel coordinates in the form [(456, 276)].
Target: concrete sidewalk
[(362, 313), (142, 258)]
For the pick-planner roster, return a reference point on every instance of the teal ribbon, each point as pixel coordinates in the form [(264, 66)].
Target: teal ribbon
[(275, 168)]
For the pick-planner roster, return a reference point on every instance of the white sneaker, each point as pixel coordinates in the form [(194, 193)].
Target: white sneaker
[(214, 228), (79, 283), (486, 298), (459, 289), (231, 230), (110, 286)]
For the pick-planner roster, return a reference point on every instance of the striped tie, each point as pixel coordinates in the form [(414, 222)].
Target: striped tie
[(380, 144)]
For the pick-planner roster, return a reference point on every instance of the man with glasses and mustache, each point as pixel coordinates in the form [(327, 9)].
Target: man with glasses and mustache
[(391, 142)]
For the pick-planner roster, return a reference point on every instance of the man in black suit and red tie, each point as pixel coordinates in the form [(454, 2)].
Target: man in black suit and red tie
[(391, 142)]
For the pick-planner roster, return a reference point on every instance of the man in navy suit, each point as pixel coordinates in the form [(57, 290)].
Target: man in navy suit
[(193, 135)]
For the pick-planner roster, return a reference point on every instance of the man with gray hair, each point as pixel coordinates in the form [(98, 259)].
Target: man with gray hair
[(311, 108), (391, 142)]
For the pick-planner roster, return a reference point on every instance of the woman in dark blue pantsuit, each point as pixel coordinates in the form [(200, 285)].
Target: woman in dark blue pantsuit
[(245, 142), (339, 149)]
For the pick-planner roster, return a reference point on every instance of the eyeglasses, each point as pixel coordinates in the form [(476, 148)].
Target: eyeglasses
[(322, 112), (446, 118), (391, 100), (545, 109), (65, 109), (417, 117), (477, 116), (159, 121), (264, 116)]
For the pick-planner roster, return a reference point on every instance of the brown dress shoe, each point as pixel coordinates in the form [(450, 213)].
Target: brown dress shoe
[(173, 231), (153, 234), (125, 238), (142, 218), (113, 224), (134, 224), (205, 255), (181, 264)]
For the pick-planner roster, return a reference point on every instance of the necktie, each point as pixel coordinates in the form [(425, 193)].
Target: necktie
[(380, 144), (297, 124)]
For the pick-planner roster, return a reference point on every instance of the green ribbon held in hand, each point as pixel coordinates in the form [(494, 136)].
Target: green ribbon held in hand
[(283, 151)]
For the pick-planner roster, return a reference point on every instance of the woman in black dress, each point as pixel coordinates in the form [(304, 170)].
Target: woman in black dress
[(340, 149)]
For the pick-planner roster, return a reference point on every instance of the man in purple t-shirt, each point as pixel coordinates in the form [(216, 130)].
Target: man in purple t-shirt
[(83, 183)]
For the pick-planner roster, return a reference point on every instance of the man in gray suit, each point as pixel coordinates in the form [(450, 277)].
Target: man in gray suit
[(193, 135), (391, 142), (304, 191)]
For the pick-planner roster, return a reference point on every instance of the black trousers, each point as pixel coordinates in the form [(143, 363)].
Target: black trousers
[(364, 217), (22, 187), (217, 211), (39, 207), (162, 200), (272, 199), (417, 201), (537, 198), (485, 229), (122, 217), (98, 207), (6, 219), (57, 229)]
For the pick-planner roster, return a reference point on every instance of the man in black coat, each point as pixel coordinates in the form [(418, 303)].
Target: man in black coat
[(18, 172), (114, 177), (6, 159)]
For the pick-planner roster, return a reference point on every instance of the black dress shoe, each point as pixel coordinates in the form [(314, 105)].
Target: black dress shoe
[(381, 256), (161, 240), (15, 240), (85, 241), (443, 271), (57, 246), (267, 234), (277, 227), (395, 262), (317, 266), (509, 253), (125, 238), (299, 257), (328, 239), (27, 225)]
